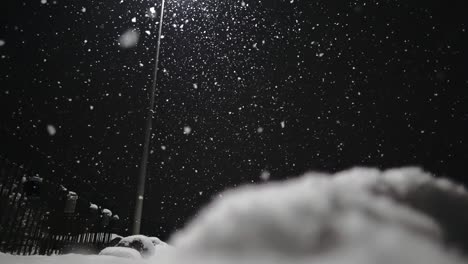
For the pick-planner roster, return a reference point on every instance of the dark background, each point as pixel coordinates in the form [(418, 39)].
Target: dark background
[(374, 83)]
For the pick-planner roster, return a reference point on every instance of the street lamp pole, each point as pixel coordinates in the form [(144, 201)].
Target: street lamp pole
[(149, 125)]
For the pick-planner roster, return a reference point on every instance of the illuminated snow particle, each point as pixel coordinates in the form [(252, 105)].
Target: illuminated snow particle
[(2, 42), (260, 130), (283, 124), (43, 2), (265, 175), (163, 147), (129, 39), (134, 19), (187, 130), (195, 86), (51, 130), (148, 32), (152, 10)]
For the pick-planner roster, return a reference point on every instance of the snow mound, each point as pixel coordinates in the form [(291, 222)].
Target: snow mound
[(66, 259), (142, 244), (442, 200), (360, 215), (363, 216), (122, 252), (158, 242), (107, 212)]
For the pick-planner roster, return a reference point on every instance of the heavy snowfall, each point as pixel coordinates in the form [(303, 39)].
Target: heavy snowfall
[(247, 131)]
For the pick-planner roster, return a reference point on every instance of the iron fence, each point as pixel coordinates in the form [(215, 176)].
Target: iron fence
[(40, 217)]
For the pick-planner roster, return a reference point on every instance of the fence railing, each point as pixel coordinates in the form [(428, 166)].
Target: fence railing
[(40, 217)]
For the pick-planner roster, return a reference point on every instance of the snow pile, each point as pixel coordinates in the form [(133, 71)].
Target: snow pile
[(442, 200), (107, 212), (158, 242), (65, 259), (123, 252), (115, 239), (141, 243), (361, 215), (135, 247)]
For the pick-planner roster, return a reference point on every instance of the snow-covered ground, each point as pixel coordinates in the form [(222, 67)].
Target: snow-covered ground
[(363, 216)]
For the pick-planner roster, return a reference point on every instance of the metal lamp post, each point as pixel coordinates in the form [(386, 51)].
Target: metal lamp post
[(149, 125)]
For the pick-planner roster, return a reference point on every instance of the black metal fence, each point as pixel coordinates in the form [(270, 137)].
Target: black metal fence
[(40, 217)]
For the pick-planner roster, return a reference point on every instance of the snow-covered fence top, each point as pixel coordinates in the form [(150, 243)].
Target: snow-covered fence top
[(40, 217)]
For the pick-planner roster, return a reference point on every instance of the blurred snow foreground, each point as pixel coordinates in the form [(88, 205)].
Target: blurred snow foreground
[(135, 247), (362, 216)]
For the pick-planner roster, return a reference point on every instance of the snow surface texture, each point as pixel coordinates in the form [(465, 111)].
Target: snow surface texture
[(135, 247), (123, 252), (363, 216), (65, 259), (142, 244), (158, 242)]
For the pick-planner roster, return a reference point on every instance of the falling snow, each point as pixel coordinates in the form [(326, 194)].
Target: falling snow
[(51, 130), (247, 91), (129, 38)]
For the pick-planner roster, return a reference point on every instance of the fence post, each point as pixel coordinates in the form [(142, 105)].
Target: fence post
[(34, 221)]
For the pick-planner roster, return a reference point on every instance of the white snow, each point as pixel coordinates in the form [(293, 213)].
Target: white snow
[(107, 212), (156, 241), (139, 242), (123, 252), (2, 42), (65, 259), (363, 216), (265, 175), (129, 38), (160, 245), (51, 130), (353, 216)]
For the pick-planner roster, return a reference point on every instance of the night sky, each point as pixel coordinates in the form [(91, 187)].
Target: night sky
[(248, 91)]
